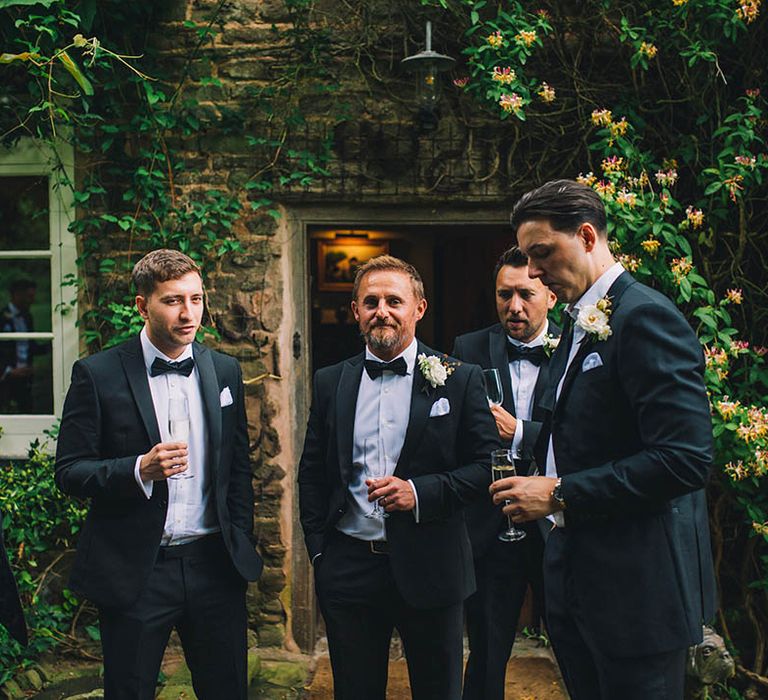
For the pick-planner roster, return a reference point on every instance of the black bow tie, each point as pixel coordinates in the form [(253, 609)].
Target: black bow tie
[(375, 368), (160, 366), (520, 352)]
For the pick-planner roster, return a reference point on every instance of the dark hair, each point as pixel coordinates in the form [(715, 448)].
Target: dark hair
[(565, 204), (21, 285), (389, 262), (512, 256), (160, 266)]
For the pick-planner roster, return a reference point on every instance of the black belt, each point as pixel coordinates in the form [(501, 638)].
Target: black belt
[(373, 546), (203, 546)]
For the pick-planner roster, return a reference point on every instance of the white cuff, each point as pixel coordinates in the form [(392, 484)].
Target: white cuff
[(416, 496), (145, 486), (517, 438)]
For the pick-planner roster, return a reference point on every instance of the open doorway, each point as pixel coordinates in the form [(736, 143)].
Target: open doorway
[(455, 261)]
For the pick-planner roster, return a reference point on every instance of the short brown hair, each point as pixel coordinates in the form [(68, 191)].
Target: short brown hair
[(513, 257), (565, 204), (160, 266), (389, 262)]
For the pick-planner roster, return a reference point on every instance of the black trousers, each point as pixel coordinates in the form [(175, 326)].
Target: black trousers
[(503, 573), (591, 674), (361, 607), (196, 589)]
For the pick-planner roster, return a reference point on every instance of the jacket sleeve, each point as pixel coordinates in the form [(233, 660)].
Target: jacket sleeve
[(443, 493), (661, 377), (80, 470), (314, 489), (240, 495)]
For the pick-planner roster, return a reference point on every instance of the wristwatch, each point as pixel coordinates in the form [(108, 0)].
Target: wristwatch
[(557, 494)]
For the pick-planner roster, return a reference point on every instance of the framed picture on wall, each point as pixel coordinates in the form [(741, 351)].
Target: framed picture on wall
[(338, 260)]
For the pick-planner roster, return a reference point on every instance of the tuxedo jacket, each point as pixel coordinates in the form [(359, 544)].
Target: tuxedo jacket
[(108, 421), (488, 348), (446, 456), (632, 439), (11, 614)]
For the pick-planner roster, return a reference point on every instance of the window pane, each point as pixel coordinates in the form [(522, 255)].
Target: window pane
[(26, 386), (25, 296), (24, 213)]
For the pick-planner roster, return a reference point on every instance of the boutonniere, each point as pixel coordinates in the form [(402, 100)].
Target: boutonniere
[(436, 370), (550, 343), (594, 319)]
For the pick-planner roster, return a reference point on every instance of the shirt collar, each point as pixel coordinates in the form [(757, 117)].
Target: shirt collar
[(15, 311), (597, 291), (409, 355), (150, 352), (538, 340)]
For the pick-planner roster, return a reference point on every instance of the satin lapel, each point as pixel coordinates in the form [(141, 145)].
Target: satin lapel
[(423, 395), (542, 381), (209, 386), (136, 371), (556, 367), (346, 403), (497, 348)]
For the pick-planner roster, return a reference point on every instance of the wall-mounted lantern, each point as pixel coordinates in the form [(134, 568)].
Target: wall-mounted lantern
[(427, 65)]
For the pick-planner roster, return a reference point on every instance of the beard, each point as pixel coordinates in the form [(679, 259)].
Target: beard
[(381, 337)]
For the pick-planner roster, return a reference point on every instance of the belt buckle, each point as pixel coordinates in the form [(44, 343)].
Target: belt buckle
[(379, 546)]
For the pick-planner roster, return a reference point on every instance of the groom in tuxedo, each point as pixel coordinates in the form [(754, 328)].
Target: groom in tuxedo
[(167, 542), (627, 448), (518, 346), (400, 425)]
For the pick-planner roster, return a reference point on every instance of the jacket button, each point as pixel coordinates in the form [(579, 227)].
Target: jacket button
[(340, 511)]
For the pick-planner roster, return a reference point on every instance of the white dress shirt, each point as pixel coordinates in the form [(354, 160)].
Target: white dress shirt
[(381, 421), (596, 292), (523, 375), (190, 512)]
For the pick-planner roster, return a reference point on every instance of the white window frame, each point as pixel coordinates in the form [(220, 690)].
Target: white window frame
[(32, 157)]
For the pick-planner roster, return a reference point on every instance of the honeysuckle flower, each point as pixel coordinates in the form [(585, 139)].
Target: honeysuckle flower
[(695, 217), (650, 50), (734, 296), (601, 117), (79, 41), (748, 10), (716, 359), (626, 198), (680, 268), (546, 93), (739, 347), (505, 76), (525, 37), (588, 179), (747, 161), (679, 3), (612, 165), (651, 245), (752, 93), (461, 82), (666, 178), (629, 262), (761, 528), (605, 189), (733, 185), (496, 40), (618, 128), (511, 103), (727, 408), (760, 350)]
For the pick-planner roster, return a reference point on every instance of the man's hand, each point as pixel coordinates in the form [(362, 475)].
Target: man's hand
[(529, 497), (392, 493), (163, 460), (505, 422)]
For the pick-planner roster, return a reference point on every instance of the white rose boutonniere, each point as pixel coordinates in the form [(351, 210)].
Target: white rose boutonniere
[(550, 343), (593, 319), (435, 370)]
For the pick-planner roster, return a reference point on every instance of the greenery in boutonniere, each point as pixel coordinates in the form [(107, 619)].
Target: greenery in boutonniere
[(436, 370), (594, 319)]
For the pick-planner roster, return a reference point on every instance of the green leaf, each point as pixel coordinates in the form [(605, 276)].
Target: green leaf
[(13, 3), (74, 70)]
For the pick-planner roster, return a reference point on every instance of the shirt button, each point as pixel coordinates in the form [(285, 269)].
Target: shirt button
[(386, 391)]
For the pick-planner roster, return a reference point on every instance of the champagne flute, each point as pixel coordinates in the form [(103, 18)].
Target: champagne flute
[(178, 427), (375, 467), (502, 466), (493, 389)]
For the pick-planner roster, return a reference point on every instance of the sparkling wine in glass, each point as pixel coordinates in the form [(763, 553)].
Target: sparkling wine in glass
[(178, 427), (502, 466), (375, 465), (493, 389)]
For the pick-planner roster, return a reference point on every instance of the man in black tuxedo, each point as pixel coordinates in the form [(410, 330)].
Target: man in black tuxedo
[(402, 426), (518, 347), (628, 448), (168, 538), (11, 613)]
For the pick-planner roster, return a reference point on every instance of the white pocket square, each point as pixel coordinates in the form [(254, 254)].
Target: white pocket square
[(441, 407), (225, 397), (591, 361)]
